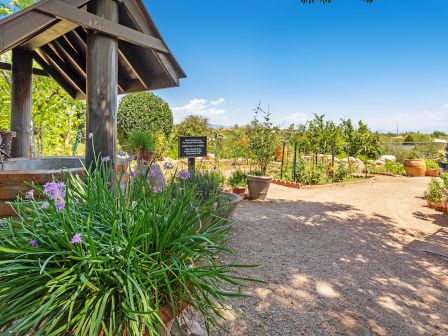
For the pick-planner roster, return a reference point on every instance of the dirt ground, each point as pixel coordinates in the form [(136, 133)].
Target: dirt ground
[(342, 261)]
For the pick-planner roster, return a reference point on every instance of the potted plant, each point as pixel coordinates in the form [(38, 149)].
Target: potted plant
[(237, 181), (436, 196), (432, 168), (87, 259), (261, 135), (143, 144), (415, 165)]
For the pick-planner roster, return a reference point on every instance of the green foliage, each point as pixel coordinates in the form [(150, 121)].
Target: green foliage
[(206, 184), (396, 168), (144, 111), (415, 155), (341, 172), (58, 120), (262, 139), (431, 165), (112, 260), (237, 179), (417, 137), (434, 193), (193, 125), (140, 140), (444, 177)]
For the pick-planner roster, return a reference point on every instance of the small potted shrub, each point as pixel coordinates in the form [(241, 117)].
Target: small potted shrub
[(142, 142), (237, 181), (415, 165), (432, 168), (436, 196), (261, 137)]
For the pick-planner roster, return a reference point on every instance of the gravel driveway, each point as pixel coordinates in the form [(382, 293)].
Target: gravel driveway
[(342, 261)]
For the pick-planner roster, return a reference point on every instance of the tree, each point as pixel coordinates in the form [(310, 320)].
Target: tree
[(144, 111), (193, 125), (262, 139)]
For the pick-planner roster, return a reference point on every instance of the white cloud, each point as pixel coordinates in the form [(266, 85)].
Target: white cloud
[(201, 107), (295, 118), (425, 121)]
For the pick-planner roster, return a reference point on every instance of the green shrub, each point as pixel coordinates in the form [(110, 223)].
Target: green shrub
[(431, 164), (444, 177), (341, 172), (206, 184), (395, 168), (144, 111), (415, 155), (85, 258), (237, 179), (434, 193), (140, 140)]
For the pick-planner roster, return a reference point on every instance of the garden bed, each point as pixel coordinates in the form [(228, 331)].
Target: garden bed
[(297, 185)]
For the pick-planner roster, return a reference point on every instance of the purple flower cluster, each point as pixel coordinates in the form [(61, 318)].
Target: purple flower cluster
[(105, 159), (34, 243), (184, 175), (157, 189), (153, 172), (76, 239), (168, 165), (29, 194), (56, 192)]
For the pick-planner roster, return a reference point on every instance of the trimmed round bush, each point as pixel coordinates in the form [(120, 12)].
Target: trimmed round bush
[(144, 111)]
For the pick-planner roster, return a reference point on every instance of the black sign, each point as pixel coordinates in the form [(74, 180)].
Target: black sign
[(192, 146)]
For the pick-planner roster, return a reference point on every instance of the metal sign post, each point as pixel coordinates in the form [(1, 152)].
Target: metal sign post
[(192, 147)]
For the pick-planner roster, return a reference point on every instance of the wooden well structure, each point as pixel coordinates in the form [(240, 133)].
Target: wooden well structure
[(95, 50)]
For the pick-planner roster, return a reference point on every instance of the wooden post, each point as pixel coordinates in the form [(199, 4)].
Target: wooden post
[(102, 86), (21, 102), (192, 165)]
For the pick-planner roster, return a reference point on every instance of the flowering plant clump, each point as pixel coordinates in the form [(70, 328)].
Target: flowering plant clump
[(88, 259)]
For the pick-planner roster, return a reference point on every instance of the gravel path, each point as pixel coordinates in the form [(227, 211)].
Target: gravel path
[(342, 261)]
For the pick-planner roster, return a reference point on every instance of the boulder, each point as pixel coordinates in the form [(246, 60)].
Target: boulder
[(388, 158)]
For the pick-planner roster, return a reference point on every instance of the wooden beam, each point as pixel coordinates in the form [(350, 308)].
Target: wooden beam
[(40, 58), (71, 56), (21, 102), (58, 63), (102, 85), (50, 34), (37, 72), (102, 25), (24, 25)]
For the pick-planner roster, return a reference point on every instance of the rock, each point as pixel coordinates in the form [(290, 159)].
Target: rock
[(388, 158), (380, 163)]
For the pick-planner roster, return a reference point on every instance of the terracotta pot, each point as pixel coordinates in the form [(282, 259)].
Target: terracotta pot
[(415, 168), (239, 191), (433, 172), (144, 156), (258, 186), (441, 206), (121, 166)]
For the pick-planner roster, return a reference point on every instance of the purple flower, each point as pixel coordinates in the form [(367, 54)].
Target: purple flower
[(157, 189), (34, 243), (133, 173), (184, 175), (153, 172), (168, 166), (106, 159), (54, 190), (60, 204), (29, 194), (45, 205), (76, 239), (90, 136), (122, 154)]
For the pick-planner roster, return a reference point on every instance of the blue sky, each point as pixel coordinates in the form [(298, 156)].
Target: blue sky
[(386, 63)]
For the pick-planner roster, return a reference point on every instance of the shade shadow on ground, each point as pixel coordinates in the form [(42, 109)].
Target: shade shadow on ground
[(334, 270)]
